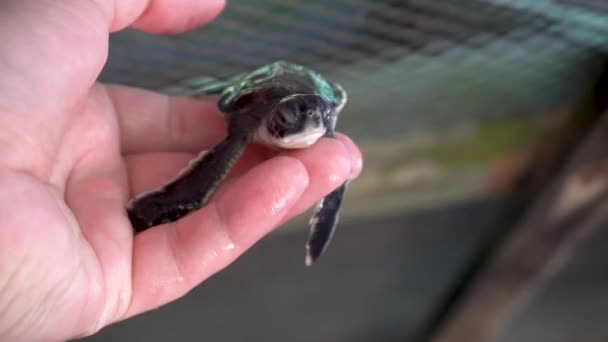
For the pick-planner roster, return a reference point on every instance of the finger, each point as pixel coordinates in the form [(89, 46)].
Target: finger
[(169, 16), (152, 122), (326, 173), (356, 157), (72, 37), (171, 259), (149, 171), (66, 48)]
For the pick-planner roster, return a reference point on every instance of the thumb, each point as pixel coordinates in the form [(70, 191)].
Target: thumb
[(52, 53)]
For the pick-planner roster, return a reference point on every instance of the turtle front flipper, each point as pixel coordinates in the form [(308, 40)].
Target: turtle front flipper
[(190, 190), (323, 224), (325, 219)]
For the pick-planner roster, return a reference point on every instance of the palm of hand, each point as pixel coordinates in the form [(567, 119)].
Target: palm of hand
[(63, 228)]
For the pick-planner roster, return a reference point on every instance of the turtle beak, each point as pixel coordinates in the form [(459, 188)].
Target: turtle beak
[(314, 119)]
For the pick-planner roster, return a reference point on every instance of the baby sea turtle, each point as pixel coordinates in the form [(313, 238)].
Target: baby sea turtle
[(280, 105)]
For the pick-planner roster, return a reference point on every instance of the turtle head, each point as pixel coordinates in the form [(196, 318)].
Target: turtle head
[(297, 121)]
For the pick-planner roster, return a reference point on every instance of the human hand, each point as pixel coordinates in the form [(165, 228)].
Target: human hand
[(74, 151)]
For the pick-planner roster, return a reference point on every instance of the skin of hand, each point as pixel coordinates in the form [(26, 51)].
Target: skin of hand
[(74, 151)]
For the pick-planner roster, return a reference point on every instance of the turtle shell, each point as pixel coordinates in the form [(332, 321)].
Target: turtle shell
[(270, 84)]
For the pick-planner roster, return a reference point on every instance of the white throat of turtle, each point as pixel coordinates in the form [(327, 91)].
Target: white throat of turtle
[(308, 136)]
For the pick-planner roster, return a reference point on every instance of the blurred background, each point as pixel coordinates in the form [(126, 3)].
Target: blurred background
[(479, 213)]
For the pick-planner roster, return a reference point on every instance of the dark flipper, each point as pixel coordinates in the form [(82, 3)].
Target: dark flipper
[(323, 224), (190, 190)]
